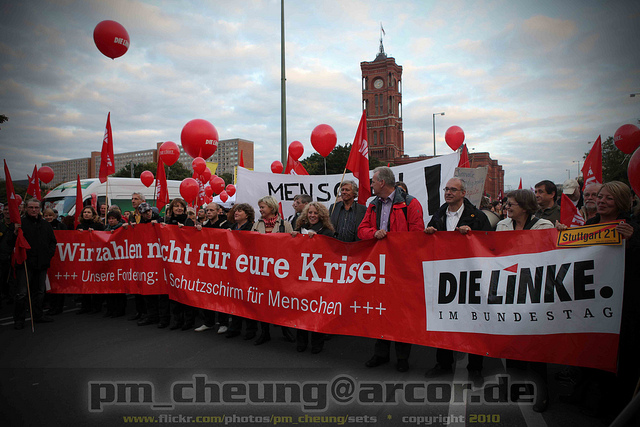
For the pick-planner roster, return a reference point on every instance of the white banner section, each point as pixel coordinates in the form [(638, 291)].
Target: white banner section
[(425, 180), (561, 291)]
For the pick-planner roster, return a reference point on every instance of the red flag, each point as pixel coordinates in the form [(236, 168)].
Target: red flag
[(161, 186), (294, 167), (12, 201), (19, 255), (569, 214), (34, 184), (358, 161), (592, 168), (107, 161), (464, 158), (520, 186), (241, 162), (78, 203)]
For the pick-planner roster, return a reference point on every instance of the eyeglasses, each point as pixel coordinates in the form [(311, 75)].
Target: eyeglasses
[(451, 189)]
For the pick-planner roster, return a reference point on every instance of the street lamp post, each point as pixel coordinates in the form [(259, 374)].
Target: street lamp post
[(578, 162), (568, 174), (434, 131)]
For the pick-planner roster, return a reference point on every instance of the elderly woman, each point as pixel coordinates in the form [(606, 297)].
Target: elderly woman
[(521, 206), (271, 222), (314, 219)]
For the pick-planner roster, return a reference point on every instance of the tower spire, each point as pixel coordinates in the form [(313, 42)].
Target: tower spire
[(381, 54)]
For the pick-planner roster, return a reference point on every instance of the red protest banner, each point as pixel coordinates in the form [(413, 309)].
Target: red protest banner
[(518, 297)]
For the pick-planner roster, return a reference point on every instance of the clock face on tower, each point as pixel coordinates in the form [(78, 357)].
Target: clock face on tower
[(377, 83)]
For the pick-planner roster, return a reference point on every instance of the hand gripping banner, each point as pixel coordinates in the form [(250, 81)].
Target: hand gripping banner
[(512, 295)]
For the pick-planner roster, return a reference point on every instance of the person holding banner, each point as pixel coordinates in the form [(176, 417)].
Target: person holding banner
[(521, 208), (271, 222), (56, 301), (241, 217), (33, 272), (314, 219), (211, 220), (392, 210), (590, 195), (613, 205), (90, 221), (184, 316), (347, 214), (546, 196), (299, 203), (116, 303), (457, 214)]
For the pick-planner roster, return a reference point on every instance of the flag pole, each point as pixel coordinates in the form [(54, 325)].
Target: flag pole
[(26, 274), (341, 181), (106, 200)]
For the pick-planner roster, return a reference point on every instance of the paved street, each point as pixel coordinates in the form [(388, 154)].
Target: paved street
[(91, 370)]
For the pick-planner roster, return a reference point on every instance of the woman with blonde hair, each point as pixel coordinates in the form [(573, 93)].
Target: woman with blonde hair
[(271, 222), (315, 219)]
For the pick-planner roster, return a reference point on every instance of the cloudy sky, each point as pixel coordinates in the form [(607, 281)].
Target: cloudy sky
[(532, 82)]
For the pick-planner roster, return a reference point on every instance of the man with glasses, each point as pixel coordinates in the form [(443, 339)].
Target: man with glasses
[(457, 214), (39, 234), (347, 214), (590, 195), (391, 211)]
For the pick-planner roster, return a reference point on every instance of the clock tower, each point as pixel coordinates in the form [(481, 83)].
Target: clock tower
[(382, 99)]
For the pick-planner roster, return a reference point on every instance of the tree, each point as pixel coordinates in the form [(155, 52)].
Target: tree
[(336, 161), (614, 162), (228, 178), (177, 171)]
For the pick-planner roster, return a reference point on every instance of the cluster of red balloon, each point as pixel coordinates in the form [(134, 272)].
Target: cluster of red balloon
[(323, 138), (627, 139)]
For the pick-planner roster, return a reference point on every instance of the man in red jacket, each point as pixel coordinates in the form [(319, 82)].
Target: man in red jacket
[(392, 210)]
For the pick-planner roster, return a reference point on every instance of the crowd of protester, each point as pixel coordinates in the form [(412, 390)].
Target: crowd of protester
[(393, 210)]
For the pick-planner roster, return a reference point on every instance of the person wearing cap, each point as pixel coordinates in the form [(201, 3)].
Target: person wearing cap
[(572, 189)]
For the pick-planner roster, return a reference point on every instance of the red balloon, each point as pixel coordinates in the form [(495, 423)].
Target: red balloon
[(224, 196), (199, 138), (208, 199), (206, 175), (323, 139), (45, 174), (199, 165), (147, 178), (111, 39), (19, 199), (218, 185), (169, 153), (208, 190), (189, 189), (231, 189), (454, 136), (627, 138), (295, 150), (212, 179), (195, 176), (633, 171), (276, 167)]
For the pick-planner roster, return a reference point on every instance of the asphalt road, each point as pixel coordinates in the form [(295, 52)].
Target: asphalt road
[(91, 370)]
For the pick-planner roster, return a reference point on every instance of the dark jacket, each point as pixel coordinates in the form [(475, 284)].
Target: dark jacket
[(179, 219), (246, 227), (318, 228), (471, 216), (42, 240), (350, 233), (57, 225), (85, 225), (406, 215)]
